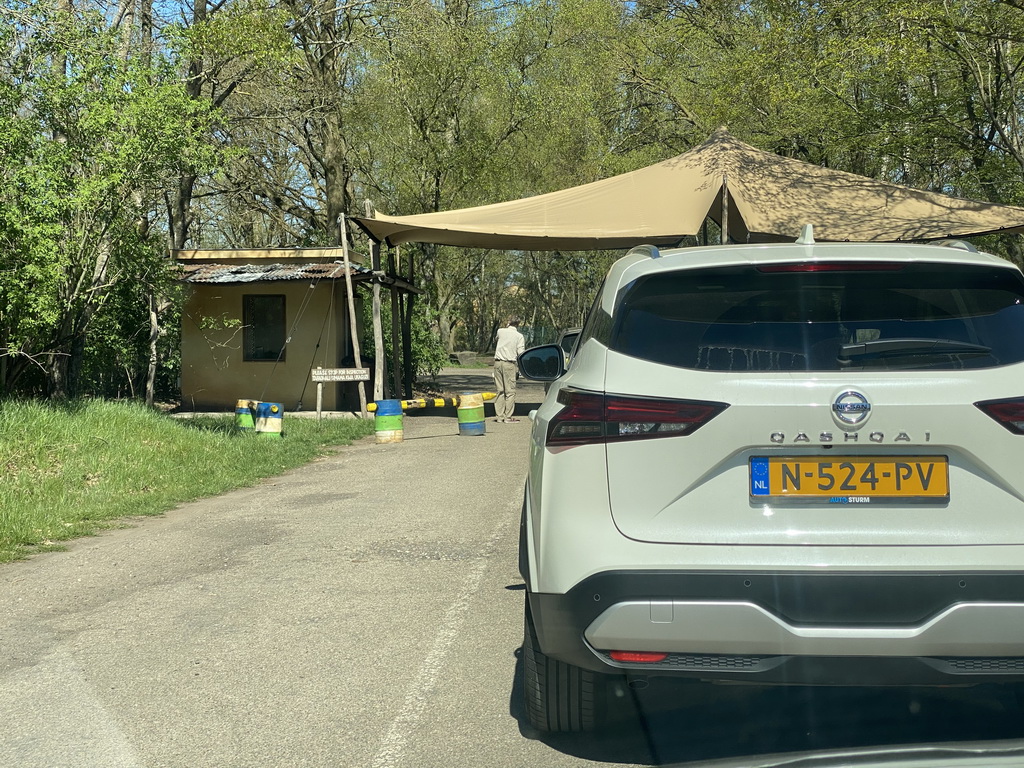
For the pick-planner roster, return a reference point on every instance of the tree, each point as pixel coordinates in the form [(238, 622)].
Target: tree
[(473, 103), (93, 134)]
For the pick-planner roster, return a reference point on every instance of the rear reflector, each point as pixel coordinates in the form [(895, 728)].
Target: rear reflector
[(594, 417), (833, 266), (1009, 413), (640, 657)]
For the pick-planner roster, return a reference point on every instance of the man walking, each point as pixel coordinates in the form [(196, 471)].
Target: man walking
[(510, 345)]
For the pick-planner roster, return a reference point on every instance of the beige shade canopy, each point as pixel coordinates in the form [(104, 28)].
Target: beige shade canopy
[(767, 197)]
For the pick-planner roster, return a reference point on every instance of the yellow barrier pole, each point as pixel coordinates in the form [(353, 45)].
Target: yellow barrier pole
[(432, 402)]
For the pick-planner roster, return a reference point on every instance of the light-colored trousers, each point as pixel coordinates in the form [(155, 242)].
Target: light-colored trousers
[(505, 388)]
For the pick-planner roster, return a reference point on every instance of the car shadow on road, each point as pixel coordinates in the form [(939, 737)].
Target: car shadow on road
[(676, 722)]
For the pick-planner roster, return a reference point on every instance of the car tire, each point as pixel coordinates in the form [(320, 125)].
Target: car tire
[(559, 697)]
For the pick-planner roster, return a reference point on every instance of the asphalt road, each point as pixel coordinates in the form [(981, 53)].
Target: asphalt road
[(363, 611)]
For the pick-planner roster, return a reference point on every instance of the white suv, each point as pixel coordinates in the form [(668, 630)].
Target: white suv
[(789, 463)]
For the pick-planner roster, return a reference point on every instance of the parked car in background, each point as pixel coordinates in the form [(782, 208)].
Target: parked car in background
[(566, 341), (779, 464)]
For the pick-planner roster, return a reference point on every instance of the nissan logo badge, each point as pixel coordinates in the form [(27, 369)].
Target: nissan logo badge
[(851, 407)]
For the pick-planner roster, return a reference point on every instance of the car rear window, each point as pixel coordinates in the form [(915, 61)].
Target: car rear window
[(893, 316)]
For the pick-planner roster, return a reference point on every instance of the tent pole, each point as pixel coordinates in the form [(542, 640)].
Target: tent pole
[(725, 210), (378, 331), (351, 301), (396, 342), (407, 305)]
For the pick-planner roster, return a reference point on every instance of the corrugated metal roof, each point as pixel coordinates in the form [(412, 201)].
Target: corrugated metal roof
[(262, 273)]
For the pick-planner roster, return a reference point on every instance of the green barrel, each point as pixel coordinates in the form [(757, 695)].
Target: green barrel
[(243, 416), (387, 422), (471, 414)]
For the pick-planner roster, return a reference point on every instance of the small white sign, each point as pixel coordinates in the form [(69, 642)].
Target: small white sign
[(340, 374)]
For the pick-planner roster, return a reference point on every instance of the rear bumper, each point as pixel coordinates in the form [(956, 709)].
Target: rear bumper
[(796, 628)]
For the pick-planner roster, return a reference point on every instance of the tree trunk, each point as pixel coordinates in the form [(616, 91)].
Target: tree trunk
[(179, 202), (82, 302), (446, 329), (154, 336), (336, 173), (179, 216), (57, 376), (76, 364)]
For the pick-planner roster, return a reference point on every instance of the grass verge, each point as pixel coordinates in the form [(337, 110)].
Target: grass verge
[(73, 469)]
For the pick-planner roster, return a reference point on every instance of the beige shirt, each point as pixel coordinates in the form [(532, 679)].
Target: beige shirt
[(511, 344)]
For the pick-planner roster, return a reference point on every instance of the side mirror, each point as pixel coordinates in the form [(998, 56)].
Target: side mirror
[(544, 363)]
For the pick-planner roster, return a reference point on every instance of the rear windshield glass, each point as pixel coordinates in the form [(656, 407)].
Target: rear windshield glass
[(890, 317)]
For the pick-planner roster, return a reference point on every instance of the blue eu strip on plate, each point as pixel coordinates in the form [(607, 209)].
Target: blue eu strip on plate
[(759, 476)]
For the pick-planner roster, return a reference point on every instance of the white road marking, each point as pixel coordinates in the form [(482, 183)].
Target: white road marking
[(68, 724), (392, 749)]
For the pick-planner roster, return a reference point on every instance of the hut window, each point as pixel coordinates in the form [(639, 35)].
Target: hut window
[(264, 320)]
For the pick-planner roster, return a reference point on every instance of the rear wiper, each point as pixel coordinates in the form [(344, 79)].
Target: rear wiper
[(912, 347)]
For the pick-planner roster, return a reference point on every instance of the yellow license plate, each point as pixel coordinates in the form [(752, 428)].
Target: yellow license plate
[(850, 479)]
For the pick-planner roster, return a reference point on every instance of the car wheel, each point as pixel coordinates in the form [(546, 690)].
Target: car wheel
[(559, 697)]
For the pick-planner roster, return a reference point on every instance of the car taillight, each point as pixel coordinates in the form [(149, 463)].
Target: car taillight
[(594, 417), (1009, 413)]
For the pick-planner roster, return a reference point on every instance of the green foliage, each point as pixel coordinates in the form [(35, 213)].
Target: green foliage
[(73, 469), (93, 134), (429, 354), (257, 123)]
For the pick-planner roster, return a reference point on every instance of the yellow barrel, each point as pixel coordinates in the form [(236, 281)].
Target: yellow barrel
[(471, 414)]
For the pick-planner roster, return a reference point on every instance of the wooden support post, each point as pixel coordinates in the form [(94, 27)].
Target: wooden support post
[(353, 323), (396, 342), (407, 306), (725, 210), (378, 331)]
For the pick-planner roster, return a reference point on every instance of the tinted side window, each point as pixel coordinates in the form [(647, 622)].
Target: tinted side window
[(598, 323), (892, 317)]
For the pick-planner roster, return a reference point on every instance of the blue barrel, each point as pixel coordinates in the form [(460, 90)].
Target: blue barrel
[(387, 421), (471, 414), (270, 419)]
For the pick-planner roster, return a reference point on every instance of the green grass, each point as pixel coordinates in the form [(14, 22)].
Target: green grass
[(476, 364), (71, 470)]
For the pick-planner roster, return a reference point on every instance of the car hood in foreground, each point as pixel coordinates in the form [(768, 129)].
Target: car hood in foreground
[(984, 754)]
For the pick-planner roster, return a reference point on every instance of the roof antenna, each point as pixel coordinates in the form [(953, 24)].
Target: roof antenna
[(806, 235), (963, 245)]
